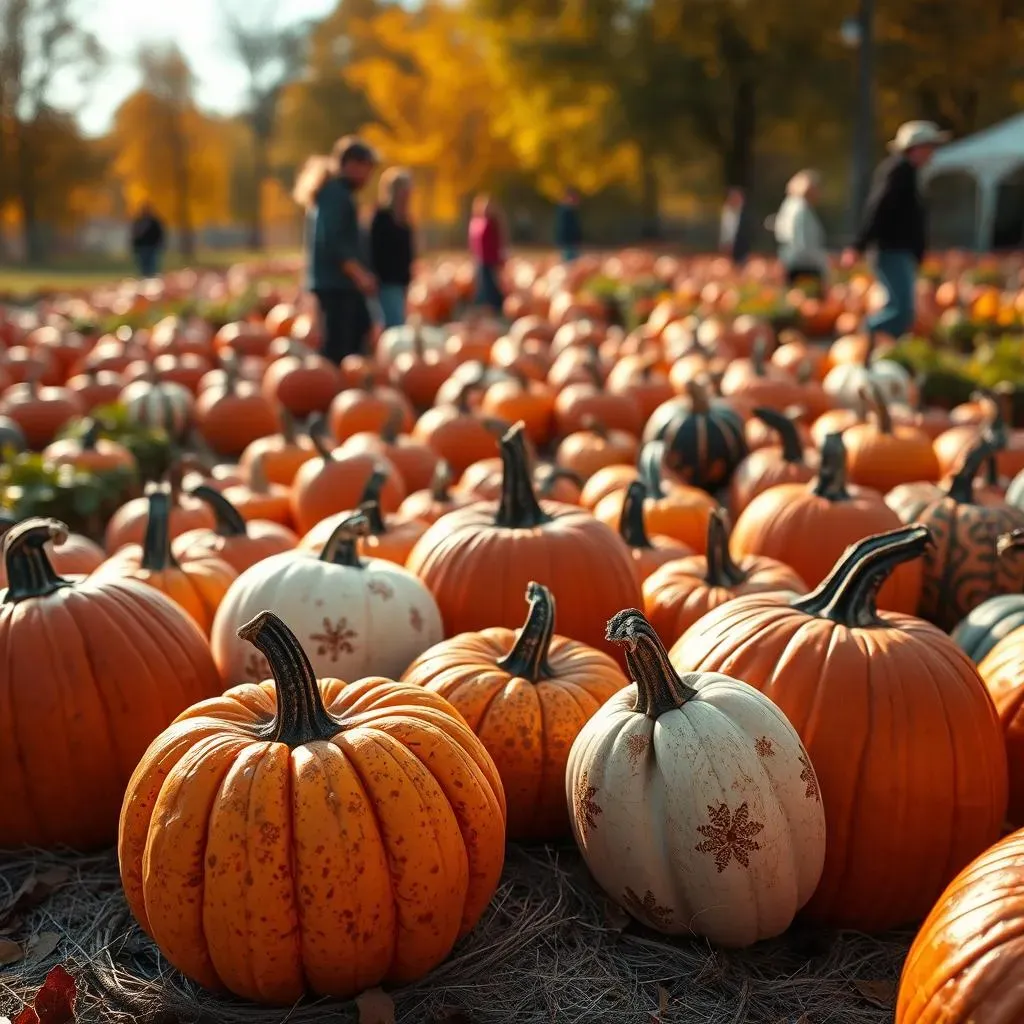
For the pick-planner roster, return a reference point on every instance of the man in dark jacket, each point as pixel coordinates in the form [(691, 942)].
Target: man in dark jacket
[(893, 225), (568, 230), (735, 228), (147, 238)]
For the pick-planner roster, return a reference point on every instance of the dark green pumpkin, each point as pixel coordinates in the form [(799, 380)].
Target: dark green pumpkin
[(995, 618)]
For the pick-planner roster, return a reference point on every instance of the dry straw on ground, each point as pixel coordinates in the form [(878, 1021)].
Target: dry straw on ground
[(550, 950)]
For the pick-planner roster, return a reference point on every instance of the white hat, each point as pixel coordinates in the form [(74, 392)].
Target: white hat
[(918, 133)]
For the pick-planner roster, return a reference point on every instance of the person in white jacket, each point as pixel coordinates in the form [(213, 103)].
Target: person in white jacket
[(799, 232)]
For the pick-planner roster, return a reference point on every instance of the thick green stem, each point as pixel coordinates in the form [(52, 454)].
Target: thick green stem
[(229, 521), (961, 487), (792, 446), (29, 571), (156, 544), (342, 545), (632, 528), (91, 436), (849, 593), (528, 658), (518, 508), (301, 716), (648, 466), (722, 570), (659, 688), (830, 482)]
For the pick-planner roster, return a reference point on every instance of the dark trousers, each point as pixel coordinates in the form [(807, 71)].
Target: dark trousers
[(147, 259), (488, 290), (344, 324)]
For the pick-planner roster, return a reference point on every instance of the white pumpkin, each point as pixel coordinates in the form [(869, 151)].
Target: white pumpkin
[(693, 801), (163, 404), (847, 381), (410, 337), (355, 616)]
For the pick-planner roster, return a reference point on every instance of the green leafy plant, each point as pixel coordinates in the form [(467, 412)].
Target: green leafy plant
[(153, 448)]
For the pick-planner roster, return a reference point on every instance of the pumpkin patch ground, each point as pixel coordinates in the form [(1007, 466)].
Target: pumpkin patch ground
[(656, 660)]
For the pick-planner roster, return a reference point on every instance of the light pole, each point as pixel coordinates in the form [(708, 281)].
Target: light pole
[(859, 32)]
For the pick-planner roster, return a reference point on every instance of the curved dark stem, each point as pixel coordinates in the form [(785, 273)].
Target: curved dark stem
[(722, 570), (869, 352), (1008, 542), (393, 425), (317, 432), (552, 474), (518, 508), (874, 400), (632, 528), (792, 446), (830, 482), (369, 500), (961, 487), (288, 430), (342, 545), (528, 658), (441, 482), (371, 509), (29, 570), (301, 716), (156, 544), (848, 594), (659, 688), (648, 466), (91, 435), (594, 426), (229, 521)]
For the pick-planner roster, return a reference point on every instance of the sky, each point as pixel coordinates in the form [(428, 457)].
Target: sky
[(125, 25)]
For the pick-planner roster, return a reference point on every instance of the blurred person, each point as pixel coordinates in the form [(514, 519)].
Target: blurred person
[(893, 226), (487, 247), (335, 270), (147, 241), (392, 246), (799, 232), (568, 229), (734, 227)]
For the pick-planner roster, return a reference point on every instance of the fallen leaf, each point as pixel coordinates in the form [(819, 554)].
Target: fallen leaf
[(879, 993), (55, 1001), (376, 1007), (36, 889), (43, 945), (10, 952)]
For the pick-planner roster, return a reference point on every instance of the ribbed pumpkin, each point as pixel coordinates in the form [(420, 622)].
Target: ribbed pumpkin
[(311, 834), (964, 567), (231, 414), (964, 965), (93, 670), (526, 693), (74, 556), (679, 593), (280, 455), (808, 527), (594, 447), (648, 553), (992, 620), (478, 560), (904, 738), (436, 500)]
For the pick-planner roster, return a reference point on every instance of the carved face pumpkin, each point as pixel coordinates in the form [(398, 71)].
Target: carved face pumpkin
[(693, 800), (354, 616)]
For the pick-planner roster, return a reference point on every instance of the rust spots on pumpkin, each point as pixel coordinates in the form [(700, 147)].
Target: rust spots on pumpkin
[(587, 811), (809, 779), (334, 639), (636, 747), (269, 832), (729, 835), (416, 619), (647, 909), (381, 589), (763, 747)]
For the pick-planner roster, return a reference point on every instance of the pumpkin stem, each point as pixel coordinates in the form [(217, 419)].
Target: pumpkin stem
[(1007, 542), (848, 594), (961, 487), (91, 435), (869, 352), (873, 399), (369, 501), (341, 547), (830, 482), (229, 521), (659, 688), (792, 447), (393, 425), (698, 395), (156, 544), (648, 466), (29, 571), (593, 425), (528, 658), (758, 355), (441, 482), (301, 716), (518, 508), (258, 482), (632, 528), (317, 430), (551, 475), (722, 571), (288, 432)]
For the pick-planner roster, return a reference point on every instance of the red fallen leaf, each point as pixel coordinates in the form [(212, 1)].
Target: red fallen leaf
[(54, 1002)]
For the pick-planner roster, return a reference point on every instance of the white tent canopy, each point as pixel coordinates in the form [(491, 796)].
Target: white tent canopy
[(989, 156)]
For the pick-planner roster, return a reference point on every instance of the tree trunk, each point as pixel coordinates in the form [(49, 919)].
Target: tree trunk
[(26, 192), (738, 159), (650, 200), (260, 146), (182, 188)]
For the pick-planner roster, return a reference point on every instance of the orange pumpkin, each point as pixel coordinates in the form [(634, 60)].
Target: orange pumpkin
[(436, 500), (41, 412), (197, 586), (526, 694), (647, 552), (419, 820), (301, 384), (456, 433), (905, 742), (280, 454), (91, 453), (366, 408), (259, 498), (234, 414), (594, 447), (414, 460), (74, 556)]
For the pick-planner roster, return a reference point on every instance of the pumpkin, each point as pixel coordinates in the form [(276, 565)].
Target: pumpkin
[(703, 438), (577, 404), (366, 408), (74, 556), (197, 585), (755, 381), (435, 501), (421, 369), (163, 405), (964, 567), (341, 834), (39, 412), (905, 741), (882, 455), (334, 481), (594, 447), (952, 445), (128, 524), (992, 620), (257, 497), (239, 543), (642, 378), (477, 561), (93, 670), (677, 594), (456, 433), (526, 694), (357, 616), (670, 509), (233, 414), (280, 455), (809, 526), (91, 453), (414, 460), (648, 553), (301, 383), (844, 382), (693, 802), (790, 463)]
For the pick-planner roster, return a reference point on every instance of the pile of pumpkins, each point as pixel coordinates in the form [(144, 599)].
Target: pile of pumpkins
[(304, 694)]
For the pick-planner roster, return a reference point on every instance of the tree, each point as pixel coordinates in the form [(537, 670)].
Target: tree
[(272, 57), (40, 42), (168, 152)]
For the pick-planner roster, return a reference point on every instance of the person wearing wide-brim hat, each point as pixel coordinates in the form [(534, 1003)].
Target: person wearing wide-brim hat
[(893, 224)]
